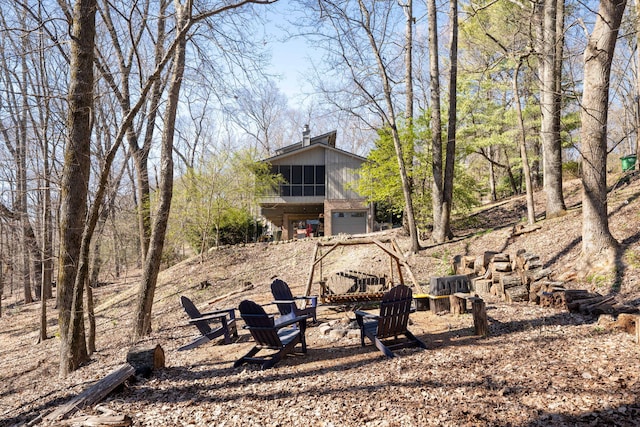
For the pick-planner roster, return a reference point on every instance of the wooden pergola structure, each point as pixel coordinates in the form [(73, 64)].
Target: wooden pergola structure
[(387, 245)]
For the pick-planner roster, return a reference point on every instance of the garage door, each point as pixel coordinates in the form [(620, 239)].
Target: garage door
[(354, 222)]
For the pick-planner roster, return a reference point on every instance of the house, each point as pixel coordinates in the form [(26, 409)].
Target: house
[(316, 197)]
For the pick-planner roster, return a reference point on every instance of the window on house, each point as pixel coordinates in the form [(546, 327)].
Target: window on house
[(296, 174), (309, 175), (301, 180)]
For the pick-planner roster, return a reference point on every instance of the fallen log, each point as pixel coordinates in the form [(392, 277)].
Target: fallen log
[(620, 309), (577, 305), (107, 418), (595, 307), (523, 229), (93, 394)]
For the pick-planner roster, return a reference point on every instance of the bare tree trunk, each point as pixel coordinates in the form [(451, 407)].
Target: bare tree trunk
[(397, 143), (531, 213), (154, 256), (437, 193), (21, 177), (598, 245), (507, 168), (75, 180), (450, 161), (141, 154), (492, 175), (91, 317), (408, 64), (1, 270), (638, 87), (550, 107), (43, 310)]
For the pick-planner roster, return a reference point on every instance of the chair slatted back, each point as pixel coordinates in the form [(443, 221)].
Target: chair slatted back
[(260, 324), (394, 312), (193, 313), (282, 292)]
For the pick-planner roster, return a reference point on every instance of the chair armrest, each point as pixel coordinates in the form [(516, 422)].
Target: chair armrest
[(311, 299), (217, 316), (283, 301), (231, 312), (277, 326), (362, 314), (291, 321)]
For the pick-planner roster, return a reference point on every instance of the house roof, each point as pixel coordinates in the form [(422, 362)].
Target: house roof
[(328, 138), (325, 141)]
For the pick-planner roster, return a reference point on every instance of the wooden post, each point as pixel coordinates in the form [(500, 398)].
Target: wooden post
[(307, 291), (458, 304), (480, 323)]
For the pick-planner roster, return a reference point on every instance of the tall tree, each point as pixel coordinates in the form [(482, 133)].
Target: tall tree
[(637, 97), (598, 245), (550, 107), (450, 159), (439, 233), (120, 83), (362, 55), (531, 213), (74, 187), (185, 20), (156, 244)]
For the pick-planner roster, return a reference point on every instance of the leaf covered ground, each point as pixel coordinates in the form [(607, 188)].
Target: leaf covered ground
[(538, 366)]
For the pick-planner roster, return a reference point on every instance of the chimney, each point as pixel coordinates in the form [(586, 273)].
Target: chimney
[(306, 136)]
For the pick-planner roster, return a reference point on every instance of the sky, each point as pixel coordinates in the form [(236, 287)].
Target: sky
[(290, 57)]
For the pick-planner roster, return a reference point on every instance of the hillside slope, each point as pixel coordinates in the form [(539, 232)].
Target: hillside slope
[(538, 366)]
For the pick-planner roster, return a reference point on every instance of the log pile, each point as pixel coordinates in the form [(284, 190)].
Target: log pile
[(523, 277), (463, 264), (584, 302)]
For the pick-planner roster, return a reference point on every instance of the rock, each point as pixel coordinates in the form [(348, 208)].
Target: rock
[(324, 329), (337, 333)]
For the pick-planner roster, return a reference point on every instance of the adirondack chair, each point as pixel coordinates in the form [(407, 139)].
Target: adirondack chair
[(226, 319), (385, 329), (286, 302), (278, 335)]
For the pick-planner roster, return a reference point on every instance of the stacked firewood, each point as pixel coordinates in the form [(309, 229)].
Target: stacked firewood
[(503, 275), (584, 302), (523, 277)]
